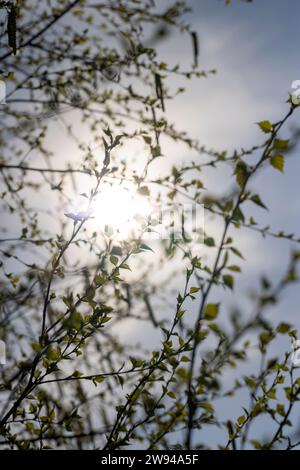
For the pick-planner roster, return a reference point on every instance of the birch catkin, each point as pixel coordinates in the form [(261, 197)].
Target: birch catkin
[(12, 29)]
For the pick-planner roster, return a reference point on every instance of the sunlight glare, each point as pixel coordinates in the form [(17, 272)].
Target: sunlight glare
[(121, 208)]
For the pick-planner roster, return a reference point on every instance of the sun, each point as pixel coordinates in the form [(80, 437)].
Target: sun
[(116, 207), (121, 208)]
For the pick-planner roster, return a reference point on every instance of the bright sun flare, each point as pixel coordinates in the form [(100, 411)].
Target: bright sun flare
[(118, 207), (121, 207)]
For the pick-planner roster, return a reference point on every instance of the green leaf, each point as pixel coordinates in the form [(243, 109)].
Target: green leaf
[(238, 215), (241, 420), (297, 381), (256, 444), (54, 260), (53, 353), (283, 328), (277, 162), (272, 394), (32, 408), (209, 241), (144, 191), (77, 374), (147, 139), (143, 246), (180, 314), (265, 338), (11, 74), (114, 260), (67, 302), (99, 280), (156, 151), (136, 362), (207, 406), (185, 359), (256, 199), (234, 268), (98, 379), (36, 347), (228, 280), (280, 409), (211, 311), (193, 290), (266, 126), (237, 252), (280, 144), (241, 173), (288, 393), (116, 250), (250, 382), (125, 266)]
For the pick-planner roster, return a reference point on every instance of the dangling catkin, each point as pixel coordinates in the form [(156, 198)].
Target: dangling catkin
[(12, 29)]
